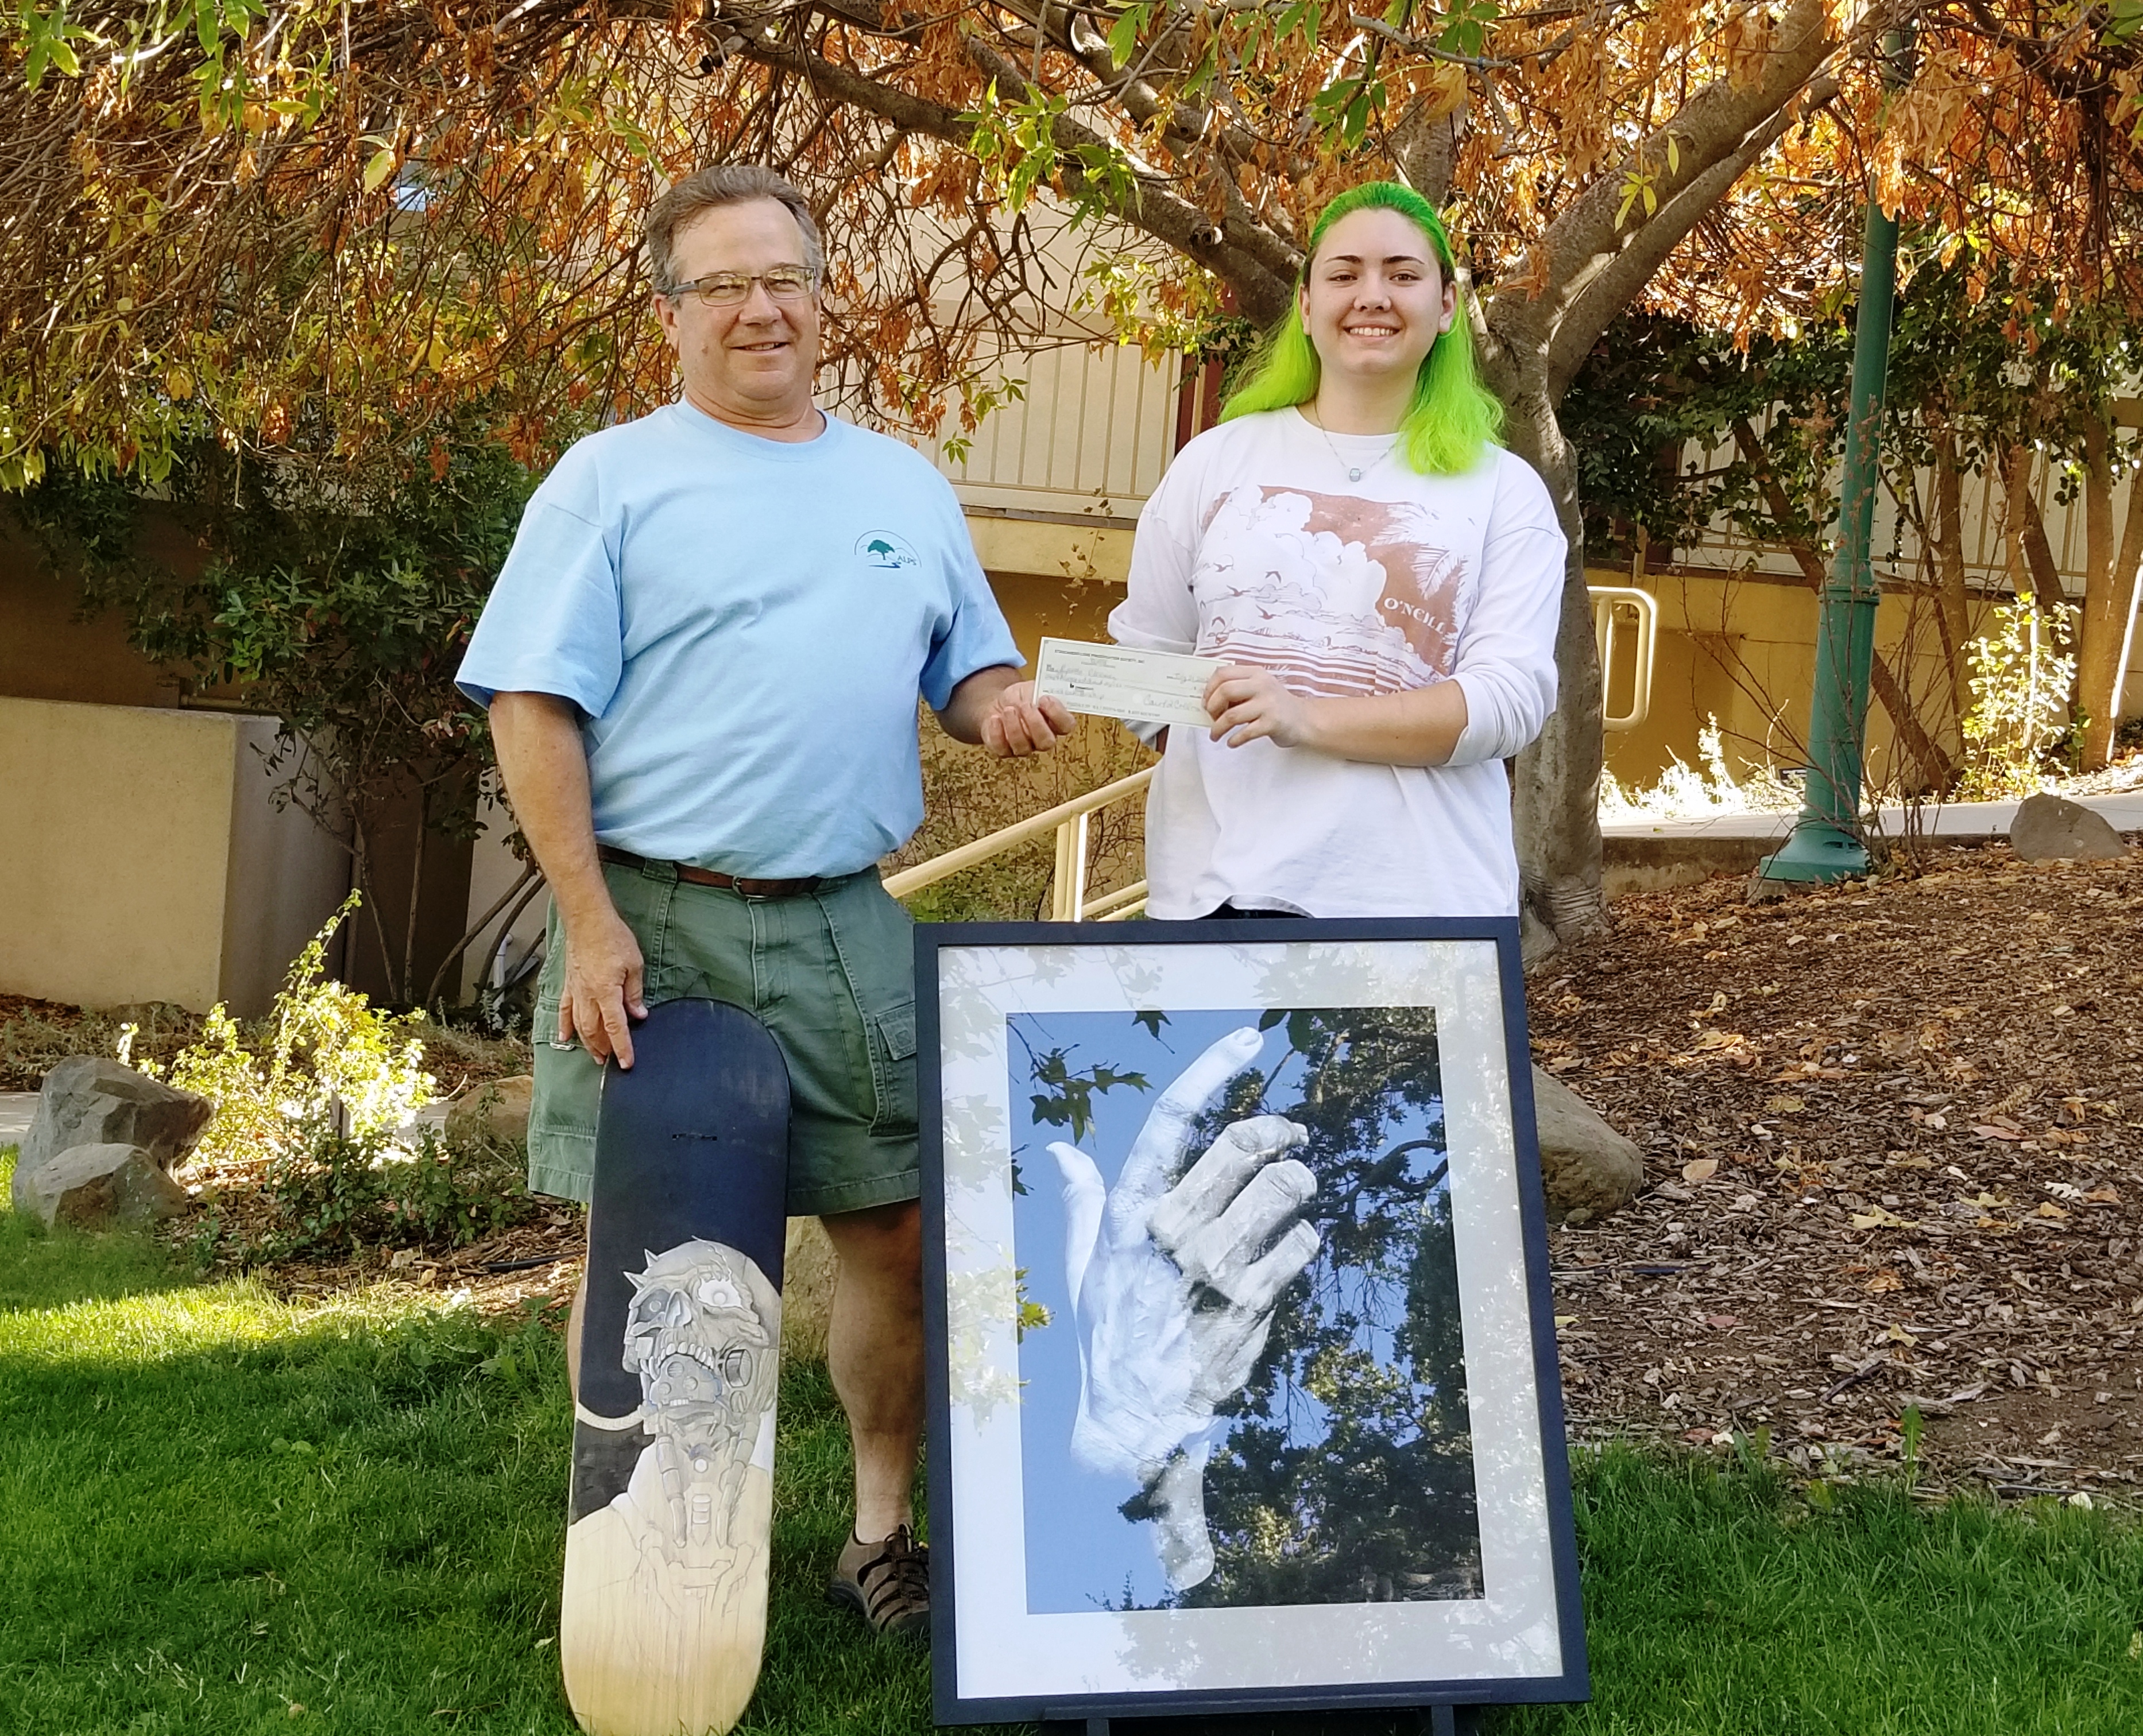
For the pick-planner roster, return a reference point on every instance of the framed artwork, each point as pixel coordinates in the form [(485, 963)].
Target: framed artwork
[(1242, 1377)]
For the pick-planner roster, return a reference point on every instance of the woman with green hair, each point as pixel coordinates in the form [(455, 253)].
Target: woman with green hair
[(1382, 582)]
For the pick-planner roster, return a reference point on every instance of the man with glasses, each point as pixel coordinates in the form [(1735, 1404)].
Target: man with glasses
[(702, 662)]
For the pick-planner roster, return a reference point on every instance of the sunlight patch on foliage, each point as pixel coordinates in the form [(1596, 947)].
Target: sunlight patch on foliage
[(327, 1059)]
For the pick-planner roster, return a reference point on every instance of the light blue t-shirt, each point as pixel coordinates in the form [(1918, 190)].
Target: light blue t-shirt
[(745, 624)]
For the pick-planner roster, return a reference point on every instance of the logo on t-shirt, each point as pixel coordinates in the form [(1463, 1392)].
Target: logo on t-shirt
[(883, 549)]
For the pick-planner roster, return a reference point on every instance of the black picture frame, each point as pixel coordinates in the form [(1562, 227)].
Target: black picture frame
[(996, 1658)]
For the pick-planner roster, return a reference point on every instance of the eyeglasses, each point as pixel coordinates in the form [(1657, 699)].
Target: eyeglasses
[(727, 288)]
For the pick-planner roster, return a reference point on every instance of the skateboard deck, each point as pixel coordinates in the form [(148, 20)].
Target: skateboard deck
[(665, 1604)]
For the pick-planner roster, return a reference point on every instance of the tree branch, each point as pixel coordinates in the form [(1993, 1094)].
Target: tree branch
[(1259, 265), (1616, 281), (1710, 130)]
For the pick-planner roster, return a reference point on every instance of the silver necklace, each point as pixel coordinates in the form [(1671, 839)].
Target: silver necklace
[(1355, 472)]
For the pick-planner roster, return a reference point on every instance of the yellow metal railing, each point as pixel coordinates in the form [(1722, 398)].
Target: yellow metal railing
[(1610, 604), (1067, 893)]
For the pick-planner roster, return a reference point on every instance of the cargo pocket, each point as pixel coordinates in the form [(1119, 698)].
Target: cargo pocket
[(893, 1067), (550, 988), (567, 1094)]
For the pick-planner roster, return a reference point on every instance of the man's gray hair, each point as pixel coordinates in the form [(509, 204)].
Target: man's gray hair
[(706, 189)]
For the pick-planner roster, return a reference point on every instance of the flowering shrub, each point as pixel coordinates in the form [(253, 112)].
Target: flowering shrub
[(326, 1063), (309, 1101)]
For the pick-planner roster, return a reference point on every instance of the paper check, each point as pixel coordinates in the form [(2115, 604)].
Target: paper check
[(1115, 680)]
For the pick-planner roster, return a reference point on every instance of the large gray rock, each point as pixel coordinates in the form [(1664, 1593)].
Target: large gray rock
[(93, 1187), (92, 1099), (496, 1111), (810, 1269), (91, 1102), (1589, 1170), (2050, 828)]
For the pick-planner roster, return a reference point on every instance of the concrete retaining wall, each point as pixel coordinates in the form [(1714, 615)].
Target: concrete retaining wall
[(141, 859)]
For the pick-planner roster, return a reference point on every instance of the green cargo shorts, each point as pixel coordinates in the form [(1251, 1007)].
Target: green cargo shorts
[(831, 974)]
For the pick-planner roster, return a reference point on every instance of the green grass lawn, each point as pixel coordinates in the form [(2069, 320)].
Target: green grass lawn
[(224, 1513), (1716, 1601), (216, 1508)]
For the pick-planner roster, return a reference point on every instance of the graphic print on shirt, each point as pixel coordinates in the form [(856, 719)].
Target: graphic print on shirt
[(884, 549), (1338, 595)]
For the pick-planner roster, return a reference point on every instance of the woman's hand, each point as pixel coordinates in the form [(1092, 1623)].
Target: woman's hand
[(1246, 702), (1420, 726)]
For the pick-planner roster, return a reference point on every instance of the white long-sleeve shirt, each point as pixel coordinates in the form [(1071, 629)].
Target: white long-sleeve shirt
[(1257, 548)]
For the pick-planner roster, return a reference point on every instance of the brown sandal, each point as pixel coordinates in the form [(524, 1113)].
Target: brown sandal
[(886, 1583)]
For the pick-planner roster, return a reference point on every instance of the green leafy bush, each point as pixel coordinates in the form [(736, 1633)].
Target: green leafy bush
[(2022, 674), (323, 1060), (307, 1107), (338, 1194)]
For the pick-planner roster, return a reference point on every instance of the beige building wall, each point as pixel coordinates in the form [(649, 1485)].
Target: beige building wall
[(1740, 650), (143, 859)]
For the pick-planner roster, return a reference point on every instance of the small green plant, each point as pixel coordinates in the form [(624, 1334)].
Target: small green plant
[(336, 1194), (2022, 673), (324, 1060), (311, 1100)]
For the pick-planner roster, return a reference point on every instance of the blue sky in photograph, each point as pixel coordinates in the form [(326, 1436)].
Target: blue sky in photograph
[(1081, 1553)]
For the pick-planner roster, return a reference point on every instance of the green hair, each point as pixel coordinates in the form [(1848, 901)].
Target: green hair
[(1452, 415)]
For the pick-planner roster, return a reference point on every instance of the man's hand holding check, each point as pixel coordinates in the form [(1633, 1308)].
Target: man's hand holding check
[(1019, 722)]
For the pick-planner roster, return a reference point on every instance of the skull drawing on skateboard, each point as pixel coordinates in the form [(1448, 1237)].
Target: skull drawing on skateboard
[(663, 1612), (704, 1336)]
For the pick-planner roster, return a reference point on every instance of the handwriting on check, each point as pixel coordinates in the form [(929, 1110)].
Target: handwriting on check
[(1116, 680)]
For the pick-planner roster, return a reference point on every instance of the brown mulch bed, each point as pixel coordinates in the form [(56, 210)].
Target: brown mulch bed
[(36, 1034), (537, 1262), (12, 1006), (458, 1060), (1894, 1143)]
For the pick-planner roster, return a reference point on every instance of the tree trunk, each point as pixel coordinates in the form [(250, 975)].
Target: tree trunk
[(1556, 793), (363, 874), (1945, 543), (2107, 586), (416, 897), (2031, 570)]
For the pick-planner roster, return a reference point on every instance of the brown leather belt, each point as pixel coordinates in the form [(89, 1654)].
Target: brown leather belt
[(728, 883)]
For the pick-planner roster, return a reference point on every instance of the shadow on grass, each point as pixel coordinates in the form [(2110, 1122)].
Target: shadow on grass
[(365, 1520), (217, 1509)]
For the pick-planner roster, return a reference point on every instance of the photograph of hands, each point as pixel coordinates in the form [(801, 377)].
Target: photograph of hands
[(1242, 1370)]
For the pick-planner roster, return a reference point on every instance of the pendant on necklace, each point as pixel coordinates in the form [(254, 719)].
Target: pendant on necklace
[(1355, 474)]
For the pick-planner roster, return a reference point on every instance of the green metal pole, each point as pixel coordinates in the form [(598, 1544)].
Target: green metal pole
[(1826, 843)]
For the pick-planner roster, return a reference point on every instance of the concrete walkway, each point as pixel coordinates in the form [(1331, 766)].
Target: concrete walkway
[(17, 1110), (2124, 813), (1651, 855)]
